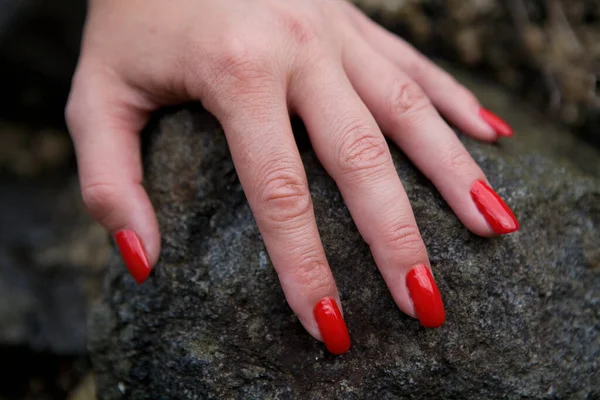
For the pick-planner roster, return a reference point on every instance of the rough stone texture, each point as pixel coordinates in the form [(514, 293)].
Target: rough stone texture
[(212, 321), (547, 50)]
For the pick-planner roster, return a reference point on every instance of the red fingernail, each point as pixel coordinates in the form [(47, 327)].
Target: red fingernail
[(497, 214), (332, 326), (497, 123), (133, 254), (426, 297)]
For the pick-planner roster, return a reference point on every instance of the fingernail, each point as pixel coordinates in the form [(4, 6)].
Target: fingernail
[(133, 254), (332, 326), (495, 211), (497, 123), (426, 297)]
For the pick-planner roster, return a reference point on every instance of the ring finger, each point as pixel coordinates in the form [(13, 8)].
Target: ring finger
[(409, 118)]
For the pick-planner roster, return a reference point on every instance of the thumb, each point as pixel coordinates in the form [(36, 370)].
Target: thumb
[(104, 118)]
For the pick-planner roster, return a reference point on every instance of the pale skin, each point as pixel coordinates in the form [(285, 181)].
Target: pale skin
[(252, 64)]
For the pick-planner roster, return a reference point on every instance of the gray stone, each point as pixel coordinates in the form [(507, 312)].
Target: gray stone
[(523, 310)]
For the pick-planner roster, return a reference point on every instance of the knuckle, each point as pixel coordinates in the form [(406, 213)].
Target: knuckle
[(285, 196), (421, 69), (405, 237), (414, 67), (417, 66), (240, 63), (406, 98), (99, 200), (299, 28), (312, 276), (456, 161), (361, 149)]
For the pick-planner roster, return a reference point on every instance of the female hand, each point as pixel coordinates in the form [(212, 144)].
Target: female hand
[(251, 64)]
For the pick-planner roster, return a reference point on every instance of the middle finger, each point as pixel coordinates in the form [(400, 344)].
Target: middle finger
[(351, 147)]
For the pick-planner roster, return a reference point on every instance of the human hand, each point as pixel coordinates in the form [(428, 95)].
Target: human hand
[(251, 64)]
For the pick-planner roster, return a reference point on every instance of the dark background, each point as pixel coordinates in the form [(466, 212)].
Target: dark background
[(52, 254), (46, 283)]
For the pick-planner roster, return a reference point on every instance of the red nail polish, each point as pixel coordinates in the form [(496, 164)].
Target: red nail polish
[(332, 326), (133, 254), (497, 123), (497, 214), (426, 297)]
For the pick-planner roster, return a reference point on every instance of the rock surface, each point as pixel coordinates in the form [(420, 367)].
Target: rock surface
[(212, 321)]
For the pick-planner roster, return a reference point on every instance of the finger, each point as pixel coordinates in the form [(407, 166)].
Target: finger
[(354, 152), (407, 116), (455, 102), (266, 158), (104, 119)]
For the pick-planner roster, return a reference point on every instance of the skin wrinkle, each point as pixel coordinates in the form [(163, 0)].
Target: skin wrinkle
[(250, 64), (360, 150), (407, 99)]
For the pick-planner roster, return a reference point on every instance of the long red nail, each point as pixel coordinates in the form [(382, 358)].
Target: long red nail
[(497, 123), (332, 326), (133, 254), (497, 214), (426, 297)]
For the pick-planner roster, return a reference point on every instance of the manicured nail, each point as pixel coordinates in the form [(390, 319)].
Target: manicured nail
[(497, 123), (332, 326), (133, 254), (426, 297), (495, 211)]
